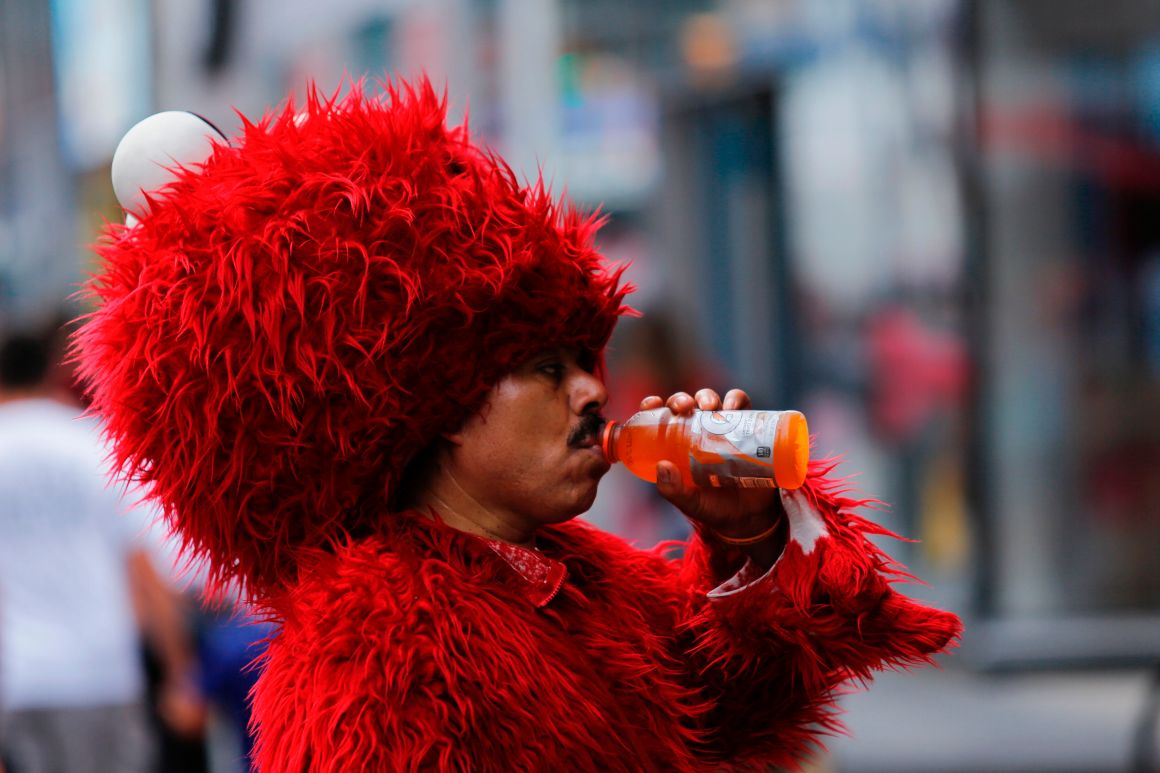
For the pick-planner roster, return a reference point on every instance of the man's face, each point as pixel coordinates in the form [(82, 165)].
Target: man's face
[(533, 450)]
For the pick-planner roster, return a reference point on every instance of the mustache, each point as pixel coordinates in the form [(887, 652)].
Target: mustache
[(587, 431)]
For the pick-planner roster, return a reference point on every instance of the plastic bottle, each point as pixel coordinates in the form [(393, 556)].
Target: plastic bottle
[(714, 449)]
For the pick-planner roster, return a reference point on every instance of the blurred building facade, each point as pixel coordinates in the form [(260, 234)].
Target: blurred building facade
[(928, 225)]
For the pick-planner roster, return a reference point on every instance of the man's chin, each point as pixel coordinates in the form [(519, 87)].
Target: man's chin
[(590, 497), (582, 504)]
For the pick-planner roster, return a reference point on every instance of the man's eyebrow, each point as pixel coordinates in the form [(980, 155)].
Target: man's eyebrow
[(586, 358)]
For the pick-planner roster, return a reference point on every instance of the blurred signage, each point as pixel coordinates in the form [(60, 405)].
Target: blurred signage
[(608, 150), (103, 74)]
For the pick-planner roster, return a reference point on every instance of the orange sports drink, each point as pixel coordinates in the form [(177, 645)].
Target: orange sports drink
[(714, 449)]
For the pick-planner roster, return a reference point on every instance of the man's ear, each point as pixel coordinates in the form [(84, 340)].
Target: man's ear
[(453, 438)]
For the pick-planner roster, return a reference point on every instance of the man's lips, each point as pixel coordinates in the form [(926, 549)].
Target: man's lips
[(587, 432)]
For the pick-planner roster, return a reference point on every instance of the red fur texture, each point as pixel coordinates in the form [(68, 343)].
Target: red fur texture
[(299, 317), (420, 648)]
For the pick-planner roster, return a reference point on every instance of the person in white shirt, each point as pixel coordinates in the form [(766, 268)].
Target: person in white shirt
[(73, 578)]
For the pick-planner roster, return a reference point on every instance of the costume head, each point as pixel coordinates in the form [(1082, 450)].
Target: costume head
[(292, 320)]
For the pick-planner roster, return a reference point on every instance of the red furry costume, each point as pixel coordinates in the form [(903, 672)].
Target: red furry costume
[(301, 315)]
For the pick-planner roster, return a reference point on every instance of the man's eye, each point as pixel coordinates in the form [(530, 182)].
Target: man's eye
[(553, 369)]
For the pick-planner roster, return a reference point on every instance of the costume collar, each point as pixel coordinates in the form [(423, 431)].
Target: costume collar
[(539, 576), (542, 576)]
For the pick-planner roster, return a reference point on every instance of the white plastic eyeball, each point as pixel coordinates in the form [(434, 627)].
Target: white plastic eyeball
[(148, 153)]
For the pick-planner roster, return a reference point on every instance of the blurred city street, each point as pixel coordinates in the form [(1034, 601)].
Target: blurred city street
[(931, 227)]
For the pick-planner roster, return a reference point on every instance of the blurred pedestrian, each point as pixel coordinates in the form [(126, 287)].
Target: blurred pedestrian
[(73, 582), (230, 640)]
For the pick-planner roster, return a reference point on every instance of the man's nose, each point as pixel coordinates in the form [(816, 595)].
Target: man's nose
[(588, 394)]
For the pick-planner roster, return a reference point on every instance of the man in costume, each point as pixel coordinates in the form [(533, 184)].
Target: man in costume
[(358, 365)]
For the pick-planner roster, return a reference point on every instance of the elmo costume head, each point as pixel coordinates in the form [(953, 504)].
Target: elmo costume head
[(291, 318)]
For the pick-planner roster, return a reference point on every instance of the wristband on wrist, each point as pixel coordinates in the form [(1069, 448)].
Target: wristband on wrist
[(744, 541)]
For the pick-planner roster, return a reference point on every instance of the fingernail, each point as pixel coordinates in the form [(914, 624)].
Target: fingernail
[(664, 475)]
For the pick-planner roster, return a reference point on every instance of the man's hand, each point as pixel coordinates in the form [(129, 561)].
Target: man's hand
[(736, 513)]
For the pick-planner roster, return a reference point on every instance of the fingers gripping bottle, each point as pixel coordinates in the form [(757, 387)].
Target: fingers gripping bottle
[(714, 449)]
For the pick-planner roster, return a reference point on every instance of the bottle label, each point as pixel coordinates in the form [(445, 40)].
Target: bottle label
[(735, 449)]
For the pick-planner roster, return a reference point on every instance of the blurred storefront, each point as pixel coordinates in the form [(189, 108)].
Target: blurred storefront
[(36, 206), (1066, 184)]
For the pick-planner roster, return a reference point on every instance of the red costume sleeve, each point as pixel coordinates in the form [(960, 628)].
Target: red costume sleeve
[(772, 654)]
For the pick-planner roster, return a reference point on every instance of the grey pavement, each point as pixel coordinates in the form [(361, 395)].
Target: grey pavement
[(958, 720)]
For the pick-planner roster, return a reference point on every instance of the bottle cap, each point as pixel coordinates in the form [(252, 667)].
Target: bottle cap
[(791, 451), (606, 441)]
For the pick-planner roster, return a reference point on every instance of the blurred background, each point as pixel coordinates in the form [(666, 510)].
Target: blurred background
[(932, 226)]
